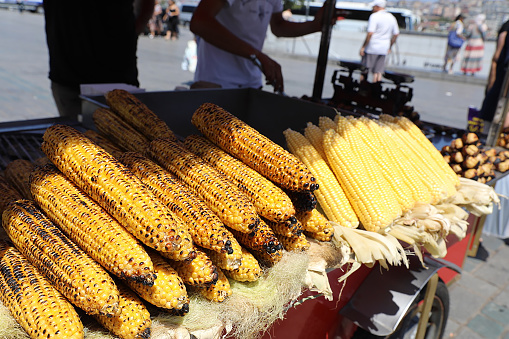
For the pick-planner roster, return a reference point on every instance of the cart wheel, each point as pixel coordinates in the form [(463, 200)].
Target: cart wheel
[(407, 328)]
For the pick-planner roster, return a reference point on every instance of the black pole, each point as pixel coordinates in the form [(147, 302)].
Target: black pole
[(323, 54)]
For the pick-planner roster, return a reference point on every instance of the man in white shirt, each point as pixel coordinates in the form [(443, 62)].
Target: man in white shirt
[(382, 33), (231, 36)]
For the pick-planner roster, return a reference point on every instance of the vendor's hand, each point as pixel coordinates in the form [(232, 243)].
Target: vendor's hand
[(272, 71), (361, 52)]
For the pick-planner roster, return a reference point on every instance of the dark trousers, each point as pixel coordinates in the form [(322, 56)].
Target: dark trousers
[(67, 100)]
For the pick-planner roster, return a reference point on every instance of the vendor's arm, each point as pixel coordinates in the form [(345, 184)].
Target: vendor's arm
[(366, 42), (288, 29), (494, 60), (146, 8)]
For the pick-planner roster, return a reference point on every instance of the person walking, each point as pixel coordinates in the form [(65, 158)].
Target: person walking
[(171, 19), (474, 49), (382, 33), (455, 40), (231, 34)]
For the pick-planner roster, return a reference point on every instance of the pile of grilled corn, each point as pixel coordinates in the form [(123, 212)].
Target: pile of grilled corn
[(131, 213)]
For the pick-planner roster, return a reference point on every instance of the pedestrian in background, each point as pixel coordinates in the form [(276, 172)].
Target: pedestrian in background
[(474, 49), (382, 33), (455, 40), (155, 23), (91, 42), (171, 19)]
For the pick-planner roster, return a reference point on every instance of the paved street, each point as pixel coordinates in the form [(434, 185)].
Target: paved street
[(479, 300)]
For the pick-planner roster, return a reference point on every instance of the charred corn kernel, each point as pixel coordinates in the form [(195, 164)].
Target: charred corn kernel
[(221, 196), (388, 169), (218, 291), (330, 195), (113, 127), (17, 173), (168, 291), (420, 192), (249, 270), (117, 190), (138, 115), (270, 201), (326, 123), (324, 235), (302, 201), (254, 149), (7, 194), (35, 304), (104, 142), (198, 271), (133, 321), (77, 276), (434, 185), (262, 239), (205, 227), (315, 136), (313, 221), (416, 133), (90, 226), (359, 187), (289, 229), (294, 244), (382, 187)]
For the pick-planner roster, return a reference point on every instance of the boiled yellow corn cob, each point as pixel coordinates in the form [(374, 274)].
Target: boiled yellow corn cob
[(285, 228), (7, 194), (77, 276), (230, 205), (218, 291), (315, 136), (35, 304), (205, 227), (90, 226), (330, 195), (413, 180), (270, 201), (261, 240), (119, 131), (388, 169), (17, 173), (313, 221), (138, 115), (326, 123), (249, 270), (416, 133), (104, 142), (168, 291), (133, 321), (117, 190), (257, 151), (433, 182), (358, 187), (294, 244), (353, 136), (198, 271)]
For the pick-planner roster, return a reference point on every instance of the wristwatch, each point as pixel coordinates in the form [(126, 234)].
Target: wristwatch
[(256, 61)]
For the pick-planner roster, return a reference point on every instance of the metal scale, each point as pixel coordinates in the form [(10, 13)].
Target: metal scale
[(389, 96)]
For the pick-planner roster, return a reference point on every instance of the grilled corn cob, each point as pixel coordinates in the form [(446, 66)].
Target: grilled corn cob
[(7, 194), (257, 151), (120, 132), (17, 173), (104, 142), (330, 195), (359, 188), (230, 205), (77, 276), (117, 190), (205, 227), (133, 321), (294, 244), (286, 228), (138, 115), (249, 270), (218, 291), (90, 226), (168, 291), (262, 239), (325, 234), (198, 271), (313, 221), (35, 304), (270, 201), (302, 201)]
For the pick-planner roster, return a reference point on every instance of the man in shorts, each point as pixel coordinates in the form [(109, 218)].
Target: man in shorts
[(382, 33)]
